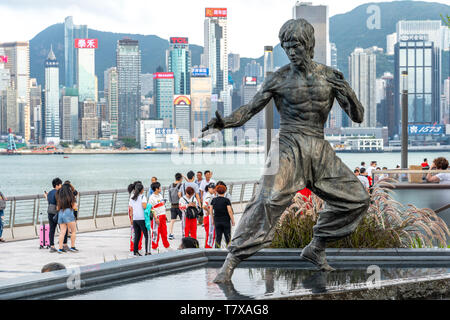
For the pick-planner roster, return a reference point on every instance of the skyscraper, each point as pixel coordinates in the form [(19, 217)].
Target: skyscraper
[(268, 60), (129, 72), (112, 99), (201, 88), (386, 115), (420, 58), (18, 63), (362, 73), (254, 69), (86, 79), (179, 62), (163, 97), (183, 116), (35, 110), (317, 16), (248, 91), (52, 130), (71, 32), (89, 122), (234, 62), (69, 115), (216, 47)]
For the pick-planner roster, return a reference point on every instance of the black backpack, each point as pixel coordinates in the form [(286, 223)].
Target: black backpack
[(191, 212)]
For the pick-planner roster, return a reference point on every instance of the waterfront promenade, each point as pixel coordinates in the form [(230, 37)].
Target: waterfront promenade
[(22, 258)]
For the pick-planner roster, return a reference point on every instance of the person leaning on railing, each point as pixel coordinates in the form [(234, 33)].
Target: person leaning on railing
[(440, 164), (2, 208)]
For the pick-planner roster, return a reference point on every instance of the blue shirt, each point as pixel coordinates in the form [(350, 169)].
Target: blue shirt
[(51, 197)]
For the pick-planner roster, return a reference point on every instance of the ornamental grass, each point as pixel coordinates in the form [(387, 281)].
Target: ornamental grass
[(387, 224)]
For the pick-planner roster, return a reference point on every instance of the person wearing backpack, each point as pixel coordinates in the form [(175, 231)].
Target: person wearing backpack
[(2, 208), (174, 199), (189, 206)]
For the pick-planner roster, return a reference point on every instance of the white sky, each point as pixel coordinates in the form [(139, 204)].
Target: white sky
[(252, 24)]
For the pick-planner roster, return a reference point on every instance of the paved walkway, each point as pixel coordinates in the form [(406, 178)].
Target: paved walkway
[(21, 258)]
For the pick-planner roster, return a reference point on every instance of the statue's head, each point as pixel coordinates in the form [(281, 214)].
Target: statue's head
[(297, 39)]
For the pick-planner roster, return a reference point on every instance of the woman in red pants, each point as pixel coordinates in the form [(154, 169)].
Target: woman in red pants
[(189, 207)]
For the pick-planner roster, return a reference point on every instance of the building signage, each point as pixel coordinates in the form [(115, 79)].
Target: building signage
[(250, 81), (164, 131), (182, 40), (200, 72), (414, 37), (215, 12), (425, 129), (163, 75), (86, 43), (3, 59), (180, 100)]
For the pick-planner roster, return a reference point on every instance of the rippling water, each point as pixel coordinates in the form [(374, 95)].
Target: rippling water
[(32, 174)]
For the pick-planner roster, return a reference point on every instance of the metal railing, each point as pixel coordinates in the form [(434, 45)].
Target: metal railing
[(23, 211)]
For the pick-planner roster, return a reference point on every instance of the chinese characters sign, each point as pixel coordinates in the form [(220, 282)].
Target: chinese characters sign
[(200, 72), (164, 131), (250, 81), (422, 129), (215, 12), (163, 75), (182, 40), (86, 43), (3, 59)]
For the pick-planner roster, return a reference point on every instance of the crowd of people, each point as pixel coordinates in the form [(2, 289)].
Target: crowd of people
[(194, 199), (364, 173)]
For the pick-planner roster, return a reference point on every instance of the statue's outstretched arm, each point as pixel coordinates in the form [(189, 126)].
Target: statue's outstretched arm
[(244, 113), (346, 97)]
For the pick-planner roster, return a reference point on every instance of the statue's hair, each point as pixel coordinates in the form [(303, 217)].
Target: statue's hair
[(298, 30)]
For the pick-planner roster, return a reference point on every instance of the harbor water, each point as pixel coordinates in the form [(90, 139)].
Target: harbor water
[(32, 174)]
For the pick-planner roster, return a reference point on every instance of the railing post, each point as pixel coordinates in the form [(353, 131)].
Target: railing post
[(113, 207), (12, 216), (241, 198), (34, 215), (94, 213), (37, 210)]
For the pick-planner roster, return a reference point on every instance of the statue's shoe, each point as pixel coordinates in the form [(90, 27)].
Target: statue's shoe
[(316, 256), (225, 273)]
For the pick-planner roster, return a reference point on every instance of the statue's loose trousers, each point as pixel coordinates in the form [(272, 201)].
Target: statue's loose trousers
[(301, 159)]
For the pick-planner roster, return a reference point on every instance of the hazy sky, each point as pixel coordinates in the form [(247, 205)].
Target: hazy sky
[(251, 23)]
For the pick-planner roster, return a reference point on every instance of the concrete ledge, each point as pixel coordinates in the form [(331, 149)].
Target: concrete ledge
[(95, 277)]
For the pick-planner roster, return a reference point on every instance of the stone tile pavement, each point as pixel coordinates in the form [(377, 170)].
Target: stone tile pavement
[(21, 258)]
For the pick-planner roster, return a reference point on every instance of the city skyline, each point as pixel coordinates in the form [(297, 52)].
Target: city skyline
[(149, 18)]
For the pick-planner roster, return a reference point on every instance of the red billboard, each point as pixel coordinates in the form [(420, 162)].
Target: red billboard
[(163, 75), (182, 40), (250, 81), (215, 12), (86, 43), (3, 59)]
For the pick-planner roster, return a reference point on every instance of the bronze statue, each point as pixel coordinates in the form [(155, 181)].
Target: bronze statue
[(304, 92)]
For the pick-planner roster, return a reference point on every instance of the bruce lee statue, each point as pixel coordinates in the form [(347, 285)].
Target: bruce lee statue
[(303, 92)]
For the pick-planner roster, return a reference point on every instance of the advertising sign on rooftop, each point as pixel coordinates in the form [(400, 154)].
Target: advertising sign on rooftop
[(425, 129), (86, 43), (215, 12), (182, 40), (200, 72), (3, 59), (250, 81), (163, 75), (181, 100)]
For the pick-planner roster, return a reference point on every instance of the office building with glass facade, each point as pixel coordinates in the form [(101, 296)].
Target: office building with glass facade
[(179, 63), (129, 72), (163, 96)]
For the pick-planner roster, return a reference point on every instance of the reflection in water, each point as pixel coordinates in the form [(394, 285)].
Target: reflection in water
[(250, 283)]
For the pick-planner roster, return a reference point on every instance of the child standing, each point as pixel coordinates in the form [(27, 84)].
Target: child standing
[(207, 221), (187, 202), (159, 223)]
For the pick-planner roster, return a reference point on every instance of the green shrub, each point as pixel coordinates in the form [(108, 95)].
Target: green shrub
[(387, 224)]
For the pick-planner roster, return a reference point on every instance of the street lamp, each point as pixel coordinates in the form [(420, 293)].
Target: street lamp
[(404, 81)]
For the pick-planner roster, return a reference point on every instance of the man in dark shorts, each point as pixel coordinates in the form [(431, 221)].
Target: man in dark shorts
[(175, 211)]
